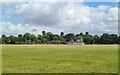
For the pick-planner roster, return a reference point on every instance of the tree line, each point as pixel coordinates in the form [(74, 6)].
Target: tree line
[(50, 38)]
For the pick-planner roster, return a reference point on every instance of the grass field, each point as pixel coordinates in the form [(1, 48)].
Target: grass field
[(60, 58)]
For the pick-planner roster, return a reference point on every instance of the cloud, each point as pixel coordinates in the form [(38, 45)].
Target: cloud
[(60, 0), (42, 0), (64, 16), (9, 28)]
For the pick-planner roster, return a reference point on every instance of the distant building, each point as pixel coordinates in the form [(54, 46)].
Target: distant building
[(77, 42)]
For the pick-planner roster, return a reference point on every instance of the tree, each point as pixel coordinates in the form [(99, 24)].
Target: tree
[(12, 39), (86, 33), (20, 36), (114, 39), (43, 33), (39, 37), (26, 36), (45, 41), (0, 40), (119, 40), (62, 40), (81, 34), (56, 42), (96, 39), (5, 40), (88, 39), (77, 35), (3, 36), (62, 34), (105, 39), (32, 38), (69, 37), (49, 36), (20, 39)]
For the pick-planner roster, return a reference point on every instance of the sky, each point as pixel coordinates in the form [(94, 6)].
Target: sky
[(68, 17)]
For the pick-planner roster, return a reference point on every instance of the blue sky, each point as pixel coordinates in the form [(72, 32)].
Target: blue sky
[(56, 17), (96, 4)]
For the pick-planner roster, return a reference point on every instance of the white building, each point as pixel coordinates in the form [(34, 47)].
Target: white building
[(77, 42)]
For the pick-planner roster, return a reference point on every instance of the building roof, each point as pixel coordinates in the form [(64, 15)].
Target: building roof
[(76, 42)]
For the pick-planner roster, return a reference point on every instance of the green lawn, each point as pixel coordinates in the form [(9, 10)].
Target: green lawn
[(60, 58)]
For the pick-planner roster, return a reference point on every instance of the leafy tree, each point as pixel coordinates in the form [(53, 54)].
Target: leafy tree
[(32, 38), (77, 35), (88, 39), (86, 33), (38, 41), (20, 39), (27, 36), (114, 38), (69, 37), (56, 42), (106, 39), (43, 33), (119, 40), (81, 34), (55, 37), (39, 37), (62, 34), (5, 40), (12, 39), (61, 39), (96, 39), (49, 36), (45, 41)]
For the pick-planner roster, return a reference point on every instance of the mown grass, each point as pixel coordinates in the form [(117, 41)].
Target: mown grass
[(60, 58)]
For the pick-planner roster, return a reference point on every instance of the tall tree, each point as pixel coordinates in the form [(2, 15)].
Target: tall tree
[(43, 32), (119, 40), (12, 39), (81, 34), (105, 39), (69, 37), (114, 39), (88, 39), (5, 39), (96, 39), (27, 36), (49, 36), (32, 38), (86, 33), (62, 34), (20, 39)]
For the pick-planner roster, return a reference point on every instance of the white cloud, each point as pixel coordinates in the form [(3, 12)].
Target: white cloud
[(60, 0), (11, 29), (42, 0), (67, 17)]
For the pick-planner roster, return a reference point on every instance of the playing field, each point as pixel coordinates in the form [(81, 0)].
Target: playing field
[(60, 58)]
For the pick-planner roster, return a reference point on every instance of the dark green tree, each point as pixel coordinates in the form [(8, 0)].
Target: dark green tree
[(27, 36), (69, 37), (81, 34), (43, 33), (86, 33), (114, 39), (62, 34), (105, 39), (5, 39), (96, 39), (20, 39), (13, 39), (49, 36), (32, 38)]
